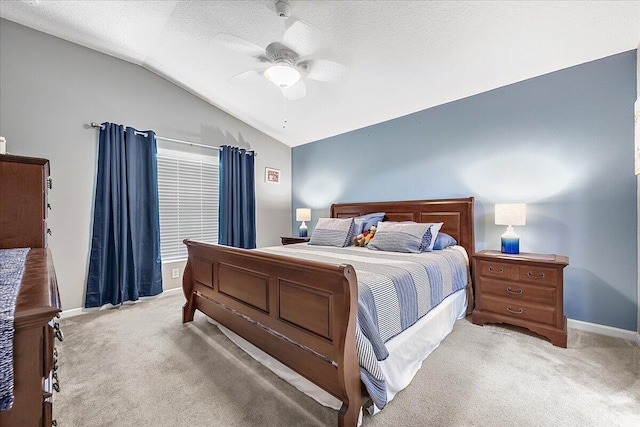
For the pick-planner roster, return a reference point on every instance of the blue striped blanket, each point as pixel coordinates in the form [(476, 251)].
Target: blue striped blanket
[(11, 270), (394, 291)]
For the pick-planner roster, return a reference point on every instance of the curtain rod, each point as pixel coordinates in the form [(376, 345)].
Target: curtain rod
[(179, 141)]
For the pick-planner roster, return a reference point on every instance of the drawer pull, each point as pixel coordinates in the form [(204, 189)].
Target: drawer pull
[(56, 382), (493, 270), (535, 276), (520, 310), (511, 291), (59, 333)]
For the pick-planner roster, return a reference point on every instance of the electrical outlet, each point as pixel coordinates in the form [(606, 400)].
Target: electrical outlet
[(175, 273)]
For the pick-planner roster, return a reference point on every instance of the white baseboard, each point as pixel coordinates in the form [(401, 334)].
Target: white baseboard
[(73, 312), (603, 330), (79, 311)]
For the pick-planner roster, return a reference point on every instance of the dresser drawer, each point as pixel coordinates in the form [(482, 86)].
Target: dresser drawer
[(517, 291), (537, 275), (495, 269), (520, 310)]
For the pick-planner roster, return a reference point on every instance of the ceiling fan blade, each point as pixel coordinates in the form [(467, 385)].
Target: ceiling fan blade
[(238, 44), (302, 38), (323, 70), (248, 77), (297, 91)]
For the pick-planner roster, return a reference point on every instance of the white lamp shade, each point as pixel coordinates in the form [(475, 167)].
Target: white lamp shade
[(283, 75), (511, 214), (303, 214)]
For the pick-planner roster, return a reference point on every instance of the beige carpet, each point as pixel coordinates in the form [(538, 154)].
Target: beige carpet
[(138, 365)]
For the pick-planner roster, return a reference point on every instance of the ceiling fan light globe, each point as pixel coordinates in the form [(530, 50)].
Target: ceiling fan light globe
[(282, 75)]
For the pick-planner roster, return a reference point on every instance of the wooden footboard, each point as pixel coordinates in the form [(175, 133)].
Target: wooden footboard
[(310, 303)]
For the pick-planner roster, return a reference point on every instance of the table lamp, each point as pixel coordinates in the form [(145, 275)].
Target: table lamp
[(510, 214), (303, 214)]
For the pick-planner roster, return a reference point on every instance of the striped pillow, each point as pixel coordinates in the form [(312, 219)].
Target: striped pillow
[(332, 232), (407, 236)]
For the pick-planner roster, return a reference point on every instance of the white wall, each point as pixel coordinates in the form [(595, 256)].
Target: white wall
[(50, 90)]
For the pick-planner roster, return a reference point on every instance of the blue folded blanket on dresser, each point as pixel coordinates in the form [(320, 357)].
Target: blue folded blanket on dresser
[(11, 270)]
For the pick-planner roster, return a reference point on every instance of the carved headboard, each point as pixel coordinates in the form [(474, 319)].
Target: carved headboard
[(456, 214)]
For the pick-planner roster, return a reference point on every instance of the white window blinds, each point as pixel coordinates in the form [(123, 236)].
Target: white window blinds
[(188, 195)]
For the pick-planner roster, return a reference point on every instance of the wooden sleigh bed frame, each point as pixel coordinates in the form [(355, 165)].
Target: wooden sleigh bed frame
[(272, 300)]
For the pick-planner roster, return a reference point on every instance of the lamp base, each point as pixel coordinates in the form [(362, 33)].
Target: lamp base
[(510, 242), (303, 229), (510, 246)]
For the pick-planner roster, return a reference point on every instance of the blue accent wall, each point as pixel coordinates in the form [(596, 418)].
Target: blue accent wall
[(563, 143)]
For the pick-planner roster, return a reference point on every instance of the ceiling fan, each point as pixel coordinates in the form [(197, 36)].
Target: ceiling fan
[(284, 62)]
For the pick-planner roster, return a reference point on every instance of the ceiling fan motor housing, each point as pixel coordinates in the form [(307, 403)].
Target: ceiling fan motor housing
[(279, 53)]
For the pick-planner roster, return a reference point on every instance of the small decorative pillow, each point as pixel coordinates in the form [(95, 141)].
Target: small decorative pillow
[(407, 236), (443, 240), (332, 232), (365, 222)]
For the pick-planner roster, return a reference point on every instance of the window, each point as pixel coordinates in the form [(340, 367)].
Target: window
[(188, 198)]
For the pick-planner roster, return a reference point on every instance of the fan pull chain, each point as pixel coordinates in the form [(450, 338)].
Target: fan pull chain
[(284, 111)]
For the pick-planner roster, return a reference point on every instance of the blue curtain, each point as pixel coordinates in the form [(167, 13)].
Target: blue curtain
[(124, 263), (237, 209)]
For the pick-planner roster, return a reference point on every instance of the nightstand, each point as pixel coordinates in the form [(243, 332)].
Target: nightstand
[(289, 240), (523, 290)]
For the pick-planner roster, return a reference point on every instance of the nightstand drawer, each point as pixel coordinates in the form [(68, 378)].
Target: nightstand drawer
[(516, 291), (500, 270), (519, 310), (537, 275)]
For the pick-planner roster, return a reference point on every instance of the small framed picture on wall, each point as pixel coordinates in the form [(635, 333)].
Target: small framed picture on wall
[(272, 175)]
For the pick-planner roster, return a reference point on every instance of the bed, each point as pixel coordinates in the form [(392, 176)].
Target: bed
[(303, 312)]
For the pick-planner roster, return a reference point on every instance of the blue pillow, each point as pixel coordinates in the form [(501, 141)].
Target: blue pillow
[(364, 222), (443, 240)]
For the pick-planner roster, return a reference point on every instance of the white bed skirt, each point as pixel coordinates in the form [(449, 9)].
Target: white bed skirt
[(406, 351)]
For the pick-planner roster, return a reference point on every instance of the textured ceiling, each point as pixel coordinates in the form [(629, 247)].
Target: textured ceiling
[(403, 56)]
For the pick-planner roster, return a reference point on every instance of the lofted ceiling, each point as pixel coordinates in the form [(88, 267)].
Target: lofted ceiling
[(402, 56)]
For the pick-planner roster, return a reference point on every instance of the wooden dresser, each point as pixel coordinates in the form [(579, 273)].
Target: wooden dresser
[(23, 201), (24, 183), (523, 290), (33, 350)]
